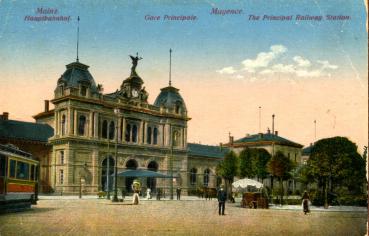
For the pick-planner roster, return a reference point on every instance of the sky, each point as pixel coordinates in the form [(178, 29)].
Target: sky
[(226, 66)]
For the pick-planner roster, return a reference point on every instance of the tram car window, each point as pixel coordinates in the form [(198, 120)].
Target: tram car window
[(12, 168)]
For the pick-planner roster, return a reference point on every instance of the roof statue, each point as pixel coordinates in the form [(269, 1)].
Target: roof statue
[(134, 63)]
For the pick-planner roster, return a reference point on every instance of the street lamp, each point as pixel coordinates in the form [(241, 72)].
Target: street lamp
[(115, 198), (173, 136)]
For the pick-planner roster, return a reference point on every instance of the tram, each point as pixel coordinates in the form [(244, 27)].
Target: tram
[(18, 179)]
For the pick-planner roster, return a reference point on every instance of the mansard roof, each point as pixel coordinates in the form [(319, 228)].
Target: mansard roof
[(77, 73), (266, 138), (169, 97), (195, 149), (21, 130)]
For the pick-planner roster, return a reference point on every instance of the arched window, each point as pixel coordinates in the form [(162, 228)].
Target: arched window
[(111, 130), (193, 173), (81, 125), (107, 170), (148, 135), (151, 182), (206, 177), (134, 133), (104, 129), (63, 125), (128, 132), (155, 141), (131, 164)]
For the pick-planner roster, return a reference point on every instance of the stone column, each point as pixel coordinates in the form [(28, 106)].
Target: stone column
[(75, 123), (90, 125), (95, 168), (124, 130), (119, 129), (55, 122), (140, 136), (185, 138), (145, 133), (162, 135), (71, 121), (167, 135), (96, 125)]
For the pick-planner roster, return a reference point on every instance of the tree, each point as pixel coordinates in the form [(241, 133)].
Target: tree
[(280, 166), (247, 163), (262, 159), (336, 164), (228, 169)]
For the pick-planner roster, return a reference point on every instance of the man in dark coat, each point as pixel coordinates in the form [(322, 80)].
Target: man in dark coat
[(222, 197), (178, 193)]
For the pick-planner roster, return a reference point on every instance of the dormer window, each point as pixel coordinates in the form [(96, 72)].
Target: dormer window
[(61, 89), (83, 90)]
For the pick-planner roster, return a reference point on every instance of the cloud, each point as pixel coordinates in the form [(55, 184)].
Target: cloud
[(267, 64), (227, 70), (239, 77), (301, 62), (327, 65), (263, 59)]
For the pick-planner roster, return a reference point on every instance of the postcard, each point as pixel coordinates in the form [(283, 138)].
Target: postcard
[(183, 117)]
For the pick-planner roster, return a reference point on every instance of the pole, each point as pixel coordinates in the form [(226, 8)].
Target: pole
[(108, 173), (170, 67), (314, 131), (259, 119), (77, 38), (115, 198), (80, 187), (273, 124), (171, 166)]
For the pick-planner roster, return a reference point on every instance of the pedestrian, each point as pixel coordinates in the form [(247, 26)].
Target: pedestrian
[(222, 197), (148, 193), (305, 202), (158, 194), (178, 190)]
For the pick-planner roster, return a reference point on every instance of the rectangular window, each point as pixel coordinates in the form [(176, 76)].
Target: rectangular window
[(22, 170), (2, 166), (32, 172), (61, 157), (61, 177), (12, 169)]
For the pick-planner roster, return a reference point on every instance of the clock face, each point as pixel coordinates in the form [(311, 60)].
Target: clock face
[(134, 93)]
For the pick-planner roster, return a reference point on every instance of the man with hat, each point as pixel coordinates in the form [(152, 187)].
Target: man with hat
[(222, 197)]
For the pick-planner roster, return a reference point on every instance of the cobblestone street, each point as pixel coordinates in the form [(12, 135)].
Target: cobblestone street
[(101, 217)]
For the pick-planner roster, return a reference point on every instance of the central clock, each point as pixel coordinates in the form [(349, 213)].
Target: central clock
[(134, 93)]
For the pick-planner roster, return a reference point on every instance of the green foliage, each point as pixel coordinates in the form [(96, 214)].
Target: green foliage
[(280, 166), (253, 162), (228, 167), (247, 163), (335, 164)]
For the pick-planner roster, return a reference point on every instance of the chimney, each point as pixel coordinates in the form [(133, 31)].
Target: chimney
[(268, 130), (276, 133), (5, 116), (261, 135), (247, 135), (221, 146), (46, 105), (231, 140)]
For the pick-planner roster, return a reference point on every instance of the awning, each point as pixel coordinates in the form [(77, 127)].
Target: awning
[(143, 173)]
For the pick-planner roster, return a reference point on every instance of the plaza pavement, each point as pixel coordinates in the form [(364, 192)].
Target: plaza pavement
[(69, 215)]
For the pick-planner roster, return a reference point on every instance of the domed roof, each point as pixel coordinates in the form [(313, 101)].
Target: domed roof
[(77, 73), (169, 97)]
